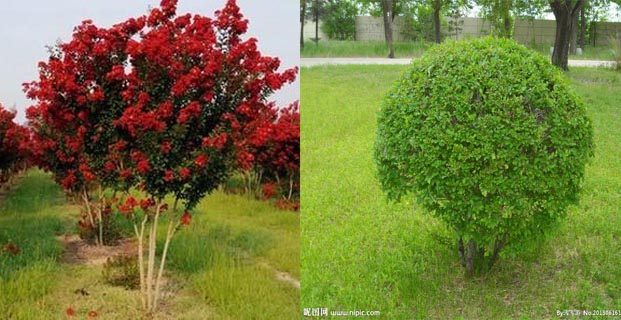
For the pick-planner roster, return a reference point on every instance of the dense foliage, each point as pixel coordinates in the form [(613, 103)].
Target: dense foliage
[(490, 138)]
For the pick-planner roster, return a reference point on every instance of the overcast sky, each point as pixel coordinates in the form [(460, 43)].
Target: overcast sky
[(27, 26)]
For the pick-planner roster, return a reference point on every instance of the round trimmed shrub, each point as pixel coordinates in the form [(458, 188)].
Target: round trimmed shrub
[(490, 138)]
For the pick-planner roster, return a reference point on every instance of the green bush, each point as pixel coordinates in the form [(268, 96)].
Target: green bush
[(489, 137)]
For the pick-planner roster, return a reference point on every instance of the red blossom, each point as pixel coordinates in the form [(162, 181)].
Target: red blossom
[(125, 174), (186, 218), (169, 176), (92, 314), (109, 166), (201, 161), (146, 203), (165, 147), (269, 190), (184, 173), (131, 202), (117, 73), (70, 312), (143, 166)]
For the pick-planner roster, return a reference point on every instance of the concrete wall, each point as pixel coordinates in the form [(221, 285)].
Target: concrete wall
[(604, 31), (309, 31), (527, 32), (372, 28)]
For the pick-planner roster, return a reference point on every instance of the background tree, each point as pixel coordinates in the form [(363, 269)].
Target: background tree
[(388, 10), (499, 14), (302, 22), (566, 14), (388, 15), (418, 24), (316, 11), (436, 5), (339, 19)]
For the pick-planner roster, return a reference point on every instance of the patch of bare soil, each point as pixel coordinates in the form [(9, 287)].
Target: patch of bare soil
[(77, 251), (281, 275)]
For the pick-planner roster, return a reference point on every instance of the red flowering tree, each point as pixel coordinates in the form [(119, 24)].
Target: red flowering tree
[(161, 102), (14, 145), (77, 99), (193, 87), (275, 145)]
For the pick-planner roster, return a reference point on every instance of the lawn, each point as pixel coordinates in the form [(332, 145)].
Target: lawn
[(227, 264), (414, 49), (359, 252)]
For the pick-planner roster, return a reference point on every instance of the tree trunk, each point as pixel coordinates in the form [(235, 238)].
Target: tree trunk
[(470, 251), (498, 245), (462, 255), (565, 15), (316, 13), (507, 25), (437, 5), (302, 15), (582, 28), (573, 36), (508, 19), (387, 13)]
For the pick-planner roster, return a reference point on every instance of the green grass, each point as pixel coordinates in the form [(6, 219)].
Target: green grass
[(222, 266), (414, 49), (360, 252), (28, 219), (367, 49)]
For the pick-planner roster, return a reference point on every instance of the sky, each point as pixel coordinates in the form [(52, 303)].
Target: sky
[(28, 26)]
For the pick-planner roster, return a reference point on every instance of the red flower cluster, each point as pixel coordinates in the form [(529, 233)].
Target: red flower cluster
[(269, 190), (186, 218)]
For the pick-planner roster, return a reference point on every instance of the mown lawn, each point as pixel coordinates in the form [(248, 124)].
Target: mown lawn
[(414, 49), (360, 252), (222, 266)]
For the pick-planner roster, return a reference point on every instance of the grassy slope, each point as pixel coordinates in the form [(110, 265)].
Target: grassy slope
[(218, 262), (360, 252), (411, 49)]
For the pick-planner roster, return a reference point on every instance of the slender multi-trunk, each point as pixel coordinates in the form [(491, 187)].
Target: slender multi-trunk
[(437, 6), (89, 212), (387, 13), (150, 269), (565, 13), (472, 256)]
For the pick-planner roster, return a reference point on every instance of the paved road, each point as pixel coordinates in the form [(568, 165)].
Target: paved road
[(309, 62)]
